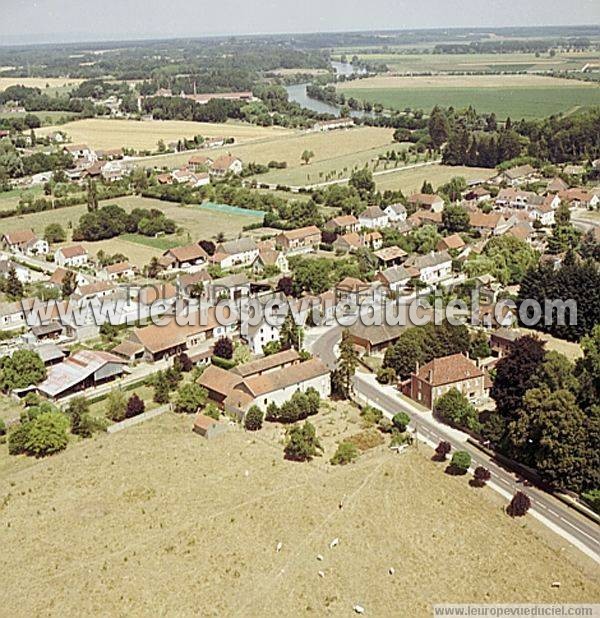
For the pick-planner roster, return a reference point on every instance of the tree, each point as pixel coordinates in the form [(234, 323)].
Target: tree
[(481, 476), (13, 286), (461, 461), (254, 419), (183, 362), (116, 405), (427, 188), (438, 127), (455, 219), (161, 388), (347, 364), (291, 335), (223, 348), (346, 453), (69, 283), (442, 450), (46, 435), (362, 181), (135, 406), (55, 233), (153, 268), (519, 505), (78, 411), (479, 347), (285, 285), (401, 421), (196, 290), (92, 196), (454, 408), (306, 156), (302, 443), (190, 398), (241, 354), (20, 370)]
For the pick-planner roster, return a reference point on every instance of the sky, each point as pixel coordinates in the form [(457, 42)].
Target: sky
[(31, 21)]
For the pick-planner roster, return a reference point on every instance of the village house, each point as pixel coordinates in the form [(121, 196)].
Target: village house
[(544, 213), (343, 223), (425, 201), (300, 240), (516, 176), (556, 185), (71, 257), (494, 223), (116, 272), (395, 278), (93, 291), (58, 276), (522, 231), (231, 287), (353, 241), (184, 175), (24, 274), (451, 243), (502, 341), (268, 364), (373, 218), (226, 164), (200, 163), (353, 290), (438, 376), (335, 123), (24, 242), (82, 154), (185, 258), (259, 335), (270, 258), (81, 370), (232, 253), (478, 195), (208, 427), (396, 213), (390, 256), (430, 268), (580, 198), (374, 339)]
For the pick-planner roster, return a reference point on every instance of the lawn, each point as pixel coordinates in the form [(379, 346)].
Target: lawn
[(411, 180), (103, 133), (157, 520), (352, 145), (517, 96)]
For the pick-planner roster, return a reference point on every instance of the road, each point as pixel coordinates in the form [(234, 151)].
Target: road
[(568, 523)]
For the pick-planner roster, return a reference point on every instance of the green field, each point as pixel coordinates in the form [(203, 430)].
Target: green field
[(515, 96), (9, 200), (47, 118), (162, 243)]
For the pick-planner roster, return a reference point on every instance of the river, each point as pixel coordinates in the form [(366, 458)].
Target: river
[(297, 93)]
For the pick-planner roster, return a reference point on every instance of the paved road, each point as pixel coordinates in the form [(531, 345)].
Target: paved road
[(567, 522)]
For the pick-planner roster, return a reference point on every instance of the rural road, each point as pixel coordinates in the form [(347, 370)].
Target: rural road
[(567, 522)]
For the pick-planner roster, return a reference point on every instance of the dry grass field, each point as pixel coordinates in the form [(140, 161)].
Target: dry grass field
[(103, 133), (39, 82), (411, 180), (156, 520)]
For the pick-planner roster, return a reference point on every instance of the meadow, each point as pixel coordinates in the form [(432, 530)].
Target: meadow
[(157, 520), (104, 133), (195, 223), (410, 180), (49, 84), (404, 63), (517, 96)]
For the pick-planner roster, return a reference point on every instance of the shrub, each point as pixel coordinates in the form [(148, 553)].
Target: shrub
[(481, 475), (116, 405), (386, 375), (454, 408), (370, 416), (183, 362), (253, 419), (385, 425), (190, 398), (401, 421), (461, 461), (442, 450), (592, 498), (346, 453), (17, 439), (211, 410), (400, 438), (135, 406), (224, 348), (519, 505), (223, 363), (2, 427)]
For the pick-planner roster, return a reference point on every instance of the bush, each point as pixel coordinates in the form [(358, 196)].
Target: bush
[(223, 363), (592, 498), (386, 375), (17, 439), (224, 348), (400, 438), (346, 453), (116, 405), (2, 427), (454, 408), (481, 475), (47, 434), (401, 421), (371, 416), (461, 461), (135, 406), (442, 450), (190, 398), (212, 411), (253, 419), (519, 505)]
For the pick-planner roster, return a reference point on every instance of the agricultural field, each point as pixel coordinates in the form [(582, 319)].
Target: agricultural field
[(333, 151), (196, 222), (517, 96), (49, 84), (104, 133), (404, 63), (410, 180), (152, 520), (47, 118)]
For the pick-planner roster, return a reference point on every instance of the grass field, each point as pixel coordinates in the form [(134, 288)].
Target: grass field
[(197, 223), (410, 181), (45, 83), (517, 96), (104, 133), (423, 63), (10, 199), (47, 118), (156, 520), (333, 151)]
